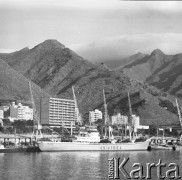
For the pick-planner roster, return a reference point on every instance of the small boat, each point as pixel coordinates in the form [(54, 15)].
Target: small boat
[(32, 149), (162, 143), (12, 149)]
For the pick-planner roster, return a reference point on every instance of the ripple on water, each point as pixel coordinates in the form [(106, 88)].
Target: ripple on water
[(73, 165)]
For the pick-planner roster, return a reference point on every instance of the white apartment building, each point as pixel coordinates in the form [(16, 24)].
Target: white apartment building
[(95, 115), (20, 112), (119, 119), (58, 112), (1, 114), (25, 112)]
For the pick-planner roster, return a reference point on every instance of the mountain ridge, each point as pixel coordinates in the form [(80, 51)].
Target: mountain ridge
[(158, 69), (15, 86), (55, 68)]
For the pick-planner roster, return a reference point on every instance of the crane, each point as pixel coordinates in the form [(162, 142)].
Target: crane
[(37, 126), (106, 119), (132, 128), (78, 114)]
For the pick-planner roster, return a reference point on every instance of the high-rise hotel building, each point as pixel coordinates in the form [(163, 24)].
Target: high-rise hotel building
[(58, 112)]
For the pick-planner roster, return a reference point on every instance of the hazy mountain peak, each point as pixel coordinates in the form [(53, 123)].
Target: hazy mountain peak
[(140, 53), (157, 52), (137, 56), (25, 49), (50, 44), (103, 66)]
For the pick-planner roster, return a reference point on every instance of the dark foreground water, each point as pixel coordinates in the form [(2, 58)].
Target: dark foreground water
[(77, 165)]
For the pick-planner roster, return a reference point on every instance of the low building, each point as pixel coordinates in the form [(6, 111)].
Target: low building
[(20, 112), (94, 115), (25, 112), (1, 113), (135, 121), (5, 108), (119, 119), (13, 111), (1, 116)]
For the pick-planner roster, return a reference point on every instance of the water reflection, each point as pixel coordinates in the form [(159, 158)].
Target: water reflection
[(74, 165)]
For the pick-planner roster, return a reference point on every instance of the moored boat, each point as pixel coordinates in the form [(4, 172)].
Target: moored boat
[(165, 143), (76, 146), (10, 149), (91, 142)]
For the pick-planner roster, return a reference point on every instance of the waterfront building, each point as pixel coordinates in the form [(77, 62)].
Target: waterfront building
[(25, 112), (1, 116), (136, 123), (94, 115), (1, 122), (13, 111), (119, 119), (1, 113), (135, 120), (20, 112), (58, 112), (5, 108)]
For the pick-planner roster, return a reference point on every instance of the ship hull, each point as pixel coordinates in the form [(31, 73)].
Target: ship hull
[(158, 147), (76, 146), (11, 150)]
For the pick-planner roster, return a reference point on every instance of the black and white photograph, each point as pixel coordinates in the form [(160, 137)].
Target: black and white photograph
[(90, 89)]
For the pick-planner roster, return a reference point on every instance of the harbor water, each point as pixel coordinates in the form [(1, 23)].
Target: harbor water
[(78, 165)]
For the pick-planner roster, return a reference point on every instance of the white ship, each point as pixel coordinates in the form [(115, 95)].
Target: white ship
[(91, 142)]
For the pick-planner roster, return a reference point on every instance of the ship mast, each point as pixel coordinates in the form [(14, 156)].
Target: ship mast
[(130, 111), (179, 115), (37, 126), (105, 113), (130, 123)]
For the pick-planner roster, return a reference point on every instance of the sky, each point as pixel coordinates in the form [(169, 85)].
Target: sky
[(95, 29)]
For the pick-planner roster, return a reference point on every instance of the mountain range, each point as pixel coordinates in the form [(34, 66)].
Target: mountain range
[(53, 69), (158, 69)]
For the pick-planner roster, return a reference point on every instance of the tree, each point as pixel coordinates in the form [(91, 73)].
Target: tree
[(152, 130), (6, 122), (29, 123), (1, 129)]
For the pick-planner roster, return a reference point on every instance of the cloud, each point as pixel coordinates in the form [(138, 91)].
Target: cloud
[(120, 47), (78, 22), (80, 4), (96, 4), (3, 50)]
